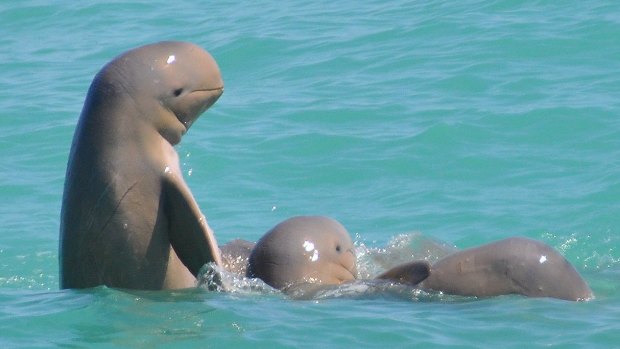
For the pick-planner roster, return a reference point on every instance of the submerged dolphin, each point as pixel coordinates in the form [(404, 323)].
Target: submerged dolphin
[(510, 266), (309, 251)]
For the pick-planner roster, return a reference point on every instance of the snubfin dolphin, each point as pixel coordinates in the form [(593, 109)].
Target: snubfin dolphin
[(128, 218), (510, 266)]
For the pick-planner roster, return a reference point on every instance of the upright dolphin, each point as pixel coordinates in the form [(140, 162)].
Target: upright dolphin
[(128, 218)]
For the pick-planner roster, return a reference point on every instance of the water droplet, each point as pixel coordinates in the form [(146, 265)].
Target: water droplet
[(171, 59), (542, 259)]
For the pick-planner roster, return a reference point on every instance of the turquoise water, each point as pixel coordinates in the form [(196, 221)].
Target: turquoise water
[(466, 121)]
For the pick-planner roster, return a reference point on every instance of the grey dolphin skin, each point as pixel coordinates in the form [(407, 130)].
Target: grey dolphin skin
[(317, 250), (236, 254), (510, 266), (304, 252), (304, 249), (128, 218)]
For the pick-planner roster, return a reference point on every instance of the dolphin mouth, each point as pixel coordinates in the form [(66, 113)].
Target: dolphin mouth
[(353, 275), (211, 95), (218, 90), (350, 269), (210, 89)]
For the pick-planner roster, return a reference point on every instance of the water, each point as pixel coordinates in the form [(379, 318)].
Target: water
[(468, 122)]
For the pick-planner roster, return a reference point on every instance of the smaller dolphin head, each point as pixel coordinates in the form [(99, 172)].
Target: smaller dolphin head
[(304, 249)]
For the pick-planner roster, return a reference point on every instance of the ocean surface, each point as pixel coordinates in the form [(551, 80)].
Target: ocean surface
[(463, 122)]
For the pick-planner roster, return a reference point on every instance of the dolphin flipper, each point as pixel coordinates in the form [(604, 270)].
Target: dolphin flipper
[(410, 273)]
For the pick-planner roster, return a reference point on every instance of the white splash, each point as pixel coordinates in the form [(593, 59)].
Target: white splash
[(167, 169), (542, 259), (171, 59)]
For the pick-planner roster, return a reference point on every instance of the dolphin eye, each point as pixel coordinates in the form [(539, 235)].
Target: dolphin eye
[(178, 92), (338, 248)]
